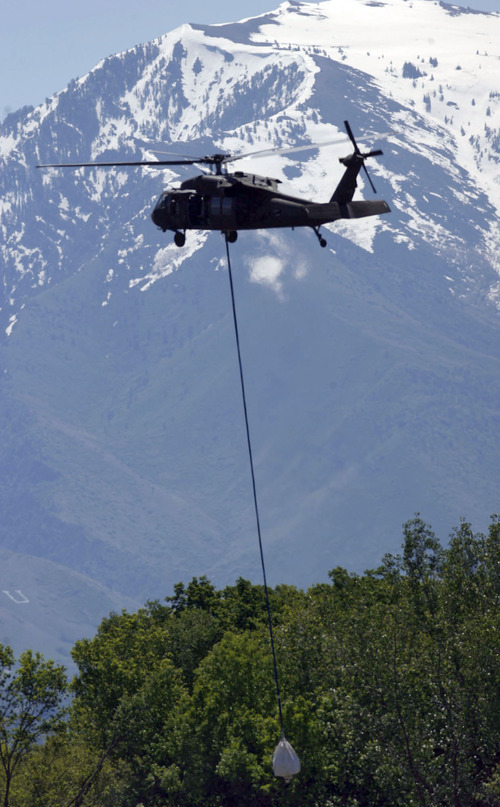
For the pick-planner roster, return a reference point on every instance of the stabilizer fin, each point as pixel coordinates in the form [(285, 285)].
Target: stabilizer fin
[(357, 210)]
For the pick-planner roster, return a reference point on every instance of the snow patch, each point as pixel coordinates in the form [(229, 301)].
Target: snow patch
[(12, 322), (169, 259)]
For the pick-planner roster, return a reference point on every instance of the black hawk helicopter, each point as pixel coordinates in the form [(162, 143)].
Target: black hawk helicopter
[(241, 201)]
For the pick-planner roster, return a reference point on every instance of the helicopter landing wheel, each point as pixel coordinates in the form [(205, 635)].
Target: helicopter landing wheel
[(179, 239), (231, 236), (322, 241)]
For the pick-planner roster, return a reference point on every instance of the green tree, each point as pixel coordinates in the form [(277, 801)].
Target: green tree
[(31, 698), (112, 667), (62, 772), (232, 724), (200, 593), (129, 698), (389, 683)]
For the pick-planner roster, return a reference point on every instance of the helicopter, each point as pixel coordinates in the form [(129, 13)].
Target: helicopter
[(230, 202)]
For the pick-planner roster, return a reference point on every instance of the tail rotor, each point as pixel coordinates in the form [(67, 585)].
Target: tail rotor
[(357, 152)]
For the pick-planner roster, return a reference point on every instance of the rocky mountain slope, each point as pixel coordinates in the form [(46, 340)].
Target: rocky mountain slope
[(372, 366)]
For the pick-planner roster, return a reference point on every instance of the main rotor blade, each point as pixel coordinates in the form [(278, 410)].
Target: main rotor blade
[(215, 159), (170, 153), (287, 150), (135, 163)]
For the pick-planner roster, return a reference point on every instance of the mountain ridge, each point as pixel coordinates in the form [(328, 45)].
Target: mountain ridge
[(371, 366)]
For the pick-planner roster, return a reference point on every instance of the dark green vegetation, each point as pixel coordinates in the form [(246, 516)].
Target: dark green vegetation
[(390, 686)]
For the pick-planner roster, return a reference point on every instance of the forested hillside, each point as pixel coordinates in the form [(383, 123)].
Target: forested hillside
[(389, 679)]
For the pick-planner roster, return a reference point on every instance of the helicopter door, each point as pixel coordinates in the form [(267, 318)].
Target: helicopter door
[(195, 209), (222, 211), (227, 208), (215, 202)]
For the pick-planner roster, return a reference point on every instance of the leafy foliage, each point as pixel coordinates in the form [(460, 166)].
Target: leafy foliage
[(389, 680), (31, 695)]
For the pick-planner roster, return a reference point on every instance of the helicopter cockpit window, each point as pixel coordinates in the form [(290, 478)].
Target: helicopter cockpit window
[(170, 203), (167, 202)]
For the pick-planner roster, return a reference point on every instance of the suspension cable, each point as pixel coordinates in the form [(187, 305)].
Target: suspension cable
[(254, 487)]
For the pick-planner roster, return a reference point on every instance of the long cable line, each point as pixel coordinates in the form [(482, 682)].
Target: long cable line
[(254, 488), (78, 799)]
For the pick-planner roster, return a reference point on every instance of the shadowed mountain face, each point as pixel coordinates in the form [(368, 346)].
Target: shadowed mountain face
[(371, 367)]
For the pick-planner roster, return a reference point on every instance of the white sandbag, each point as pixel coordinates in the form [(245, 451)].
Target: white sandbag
[(285, 761)]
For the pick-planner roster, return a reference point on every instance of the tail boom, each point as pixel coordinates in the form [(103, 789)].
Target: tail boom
[(332, 211)]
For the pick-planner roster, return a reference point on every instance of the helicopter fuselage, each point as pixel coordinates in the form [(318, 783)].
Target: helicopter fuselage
[(236, 202), (240, 201)]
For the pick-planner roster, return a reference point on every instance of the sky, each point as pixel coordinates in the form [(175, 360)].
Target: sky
[(43, 45)]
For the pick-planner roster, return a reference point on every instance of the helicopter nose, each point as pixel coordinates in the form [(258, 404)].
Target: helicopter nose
[(159, 213)]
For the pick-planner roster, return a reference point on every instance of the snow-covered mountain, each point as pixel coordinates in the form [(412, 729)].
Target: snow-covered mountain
[(372, 367)]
